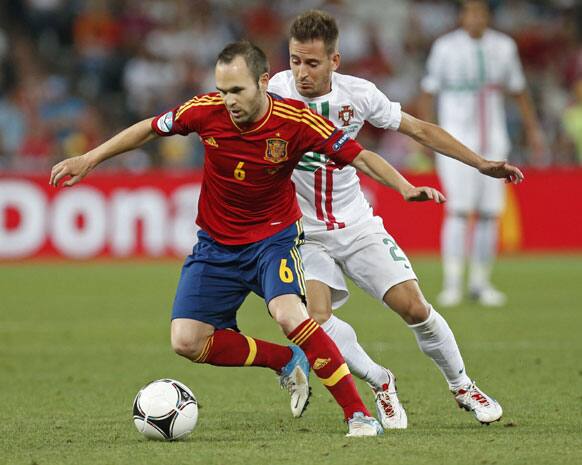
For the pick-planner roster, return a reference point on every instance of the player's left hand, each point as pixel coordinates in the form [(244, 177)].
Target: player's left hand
[(422, 194), (502, 169)]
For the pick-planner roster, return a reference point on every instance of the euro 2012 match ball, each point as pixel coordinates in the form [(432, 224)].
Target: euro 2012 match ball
[(165, 410)]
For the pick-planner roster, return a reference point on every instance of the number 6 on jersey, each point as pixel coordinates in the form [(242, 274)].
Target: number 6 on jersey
[(239, 173)]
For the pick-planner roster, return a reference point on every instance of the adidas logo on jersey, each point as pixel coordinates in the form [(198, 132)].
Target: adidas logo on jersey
[(211, 141), (320, 363)]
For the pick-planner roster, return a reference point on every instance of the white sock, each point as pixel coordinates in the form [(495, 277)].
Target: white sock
[(453, 240), (436, 340), (483, 253), (359, 362)]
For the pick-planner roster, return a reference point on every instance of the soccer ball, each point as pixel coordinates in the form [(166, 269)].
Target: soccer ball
[(165, 409)]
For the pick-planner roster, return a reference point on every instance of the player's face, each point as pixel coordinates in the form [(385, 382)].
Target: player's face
[(475, 18), (312, 67), (245, 100)]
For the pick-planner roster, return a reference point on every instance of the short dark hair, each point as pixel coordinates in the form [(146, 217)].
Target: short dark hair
[(484, 3), (316, 25), (253, 56)]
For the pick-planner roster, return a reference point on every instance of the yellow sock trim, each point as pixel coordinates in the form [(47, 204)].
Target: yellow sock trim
[(304, 331), (338, 374), (202, 357), (307, 334), (252, 351)]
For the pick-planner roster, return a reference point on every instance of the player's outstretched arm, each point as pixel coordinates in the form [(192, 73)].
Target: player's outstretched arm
[(77, 168), (379, 169), (439, 140)]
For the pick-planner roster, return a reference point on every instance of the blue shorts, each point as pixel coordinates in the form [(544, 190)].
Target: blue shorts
[(216, 278)]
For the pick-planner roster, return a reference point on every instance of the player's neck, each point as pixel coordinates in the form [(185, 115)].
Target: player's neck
[(324, 93), (476, 35), (264, 108)]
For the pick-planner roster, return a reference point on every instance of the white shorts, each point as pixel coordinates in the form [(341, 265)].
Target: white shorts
[(467, 190), (366, 253)]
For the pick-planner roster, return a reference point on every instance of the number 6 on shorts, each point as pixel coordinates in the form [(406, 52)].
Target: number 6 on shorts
[(285, 273)]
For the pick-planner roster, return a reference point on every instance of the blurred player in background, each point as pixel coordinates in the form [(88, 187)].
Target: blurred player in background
[(250, 225), (470, 69), (344, 236)]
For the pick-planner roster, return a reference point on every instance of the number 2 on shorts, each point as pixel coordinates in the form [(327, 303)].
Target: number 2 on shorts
[(393, 249)]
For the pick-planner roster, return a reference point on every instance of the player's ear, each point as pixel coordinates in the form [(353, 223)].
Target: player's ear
[(335, 61), (264, 82)]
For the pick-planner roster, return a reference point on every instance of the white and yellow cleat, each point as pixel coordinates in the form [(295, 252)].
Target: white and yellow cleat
[(388, 407), (295, 378), (361, 425), (484, 408)]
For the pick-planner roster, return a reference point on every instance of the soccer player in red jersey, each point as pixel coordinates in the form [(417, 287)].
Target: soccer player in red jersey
[(250, 225)]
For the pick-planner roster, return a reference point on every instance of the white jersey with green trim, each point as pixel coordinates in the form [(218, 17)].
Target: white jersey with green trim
[(331, 198), (470, 77)]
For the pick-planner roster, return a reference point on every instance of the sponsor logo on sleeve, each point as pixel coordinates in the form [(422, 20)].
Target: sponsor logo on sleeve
[(166, 122), (341, 141)]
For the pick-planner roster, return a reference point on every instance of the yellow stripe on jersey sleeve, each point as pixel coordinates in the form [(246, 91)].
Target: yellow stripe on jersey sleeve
[(203, 101), (308, 113), (300, 120)]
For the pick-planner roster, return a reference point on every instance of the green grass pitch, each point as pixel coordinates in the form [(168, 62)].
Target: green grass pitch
[(77, 341)]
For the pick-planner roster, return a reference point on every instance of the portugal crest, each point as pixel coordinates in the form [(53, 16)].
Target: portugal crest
[(276, 151), (346, 114)]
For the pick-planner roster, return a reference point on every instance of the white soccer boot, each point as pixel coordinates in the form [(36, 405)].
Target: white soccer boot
[(295, 378), (388, 408), (360, 425), (484, 408), (450, 297), (489, 297)]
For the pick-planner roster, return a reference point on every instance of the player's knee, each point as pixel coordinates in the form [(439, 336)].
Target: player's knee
[(407, 300), (288, 311), (319, 313), (416, 311), (188, 347)]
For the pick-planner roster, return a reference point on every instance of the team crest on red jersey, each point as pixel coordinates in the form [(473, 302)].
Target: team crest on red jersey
[(276, 151), (346, 114)]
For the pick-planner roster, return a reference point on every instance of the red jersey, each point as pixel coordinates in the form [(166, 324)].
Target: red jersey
[(247, 193)]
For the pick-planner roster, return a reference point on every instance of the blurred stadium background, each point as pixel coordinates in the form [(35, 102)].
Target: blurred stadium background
[(78, 71), (73, 73)]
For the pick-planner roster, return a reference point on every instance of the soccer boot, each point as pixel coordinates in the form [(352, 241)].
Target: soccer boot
[(295, 378), (484, 408), (449, 298), (360, 425), (488, 297), (390, 411)]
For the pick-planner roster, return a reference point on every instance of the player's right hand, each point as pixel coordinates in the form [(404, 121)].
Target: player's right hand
[(502, 169), (75, 168), (423, 194)]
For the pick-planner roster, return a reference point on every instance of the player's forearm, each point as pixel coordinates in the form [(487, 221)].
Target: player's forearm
[(377, 168), (437, 139), (441, 141), (128, 139)]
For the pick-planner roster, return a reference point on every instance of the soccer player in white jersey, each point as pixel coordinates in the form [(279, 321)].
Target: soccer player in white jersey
[(344, 236), (470, 69)]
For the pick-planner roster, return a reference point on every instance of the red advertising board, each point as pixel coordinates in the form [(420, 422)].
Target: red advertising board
[(127, 215)]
